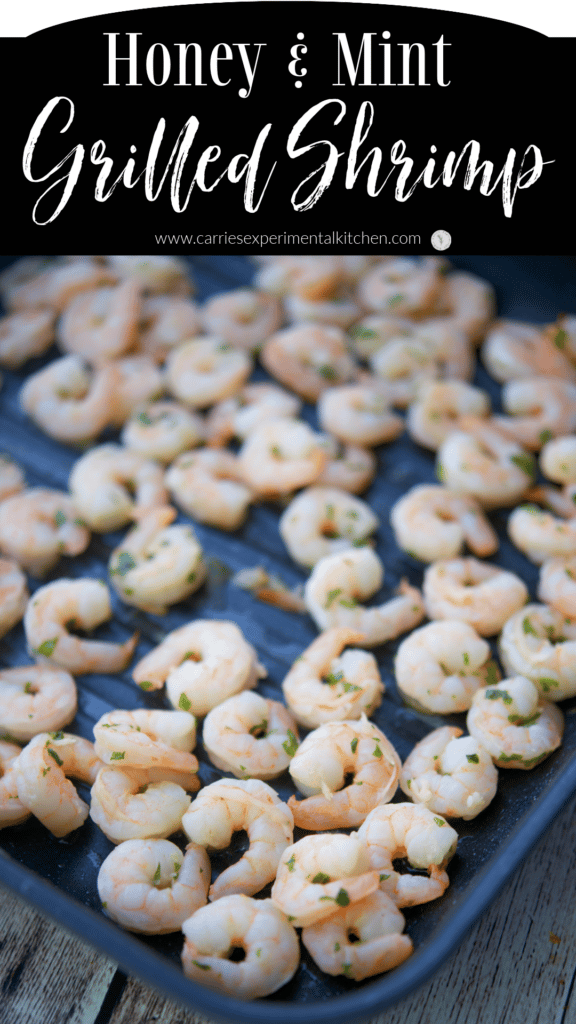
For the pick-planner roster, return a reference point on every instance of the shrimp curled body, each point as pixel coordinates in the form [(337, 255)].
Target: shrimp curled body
[(432, 522), (337, 584), (361, 940), (321, 764), (476, 592), (35, 698), (41, 777), (269, 941), (325, 685), (320, 874), (250, 805), (538, 643), (250, 736), (65, 604), (392, 831), (440, 666), (202, 664), (147, 885), (450, 774)]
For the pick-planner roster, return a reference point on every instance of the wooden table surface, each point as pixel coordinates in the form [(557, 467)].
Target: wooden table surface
[(516, 966)]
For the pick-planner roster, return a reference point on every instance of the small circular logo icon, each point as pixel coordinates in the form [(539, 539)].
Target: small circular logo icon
[(441, 240)]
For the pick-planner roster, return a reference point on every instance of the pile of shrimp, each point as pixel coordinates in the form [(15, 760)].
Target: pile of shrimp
[(155, 393)]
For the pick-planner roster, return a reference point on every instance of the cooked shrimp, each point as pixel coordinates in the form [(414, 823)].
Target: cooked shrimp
[(308, 359), (347, 467), (439, 667), (325, 685), (450, 346), (469, 302), (438, 408), (165, 322), (162, 430), (148, 739), (148, 885), (513, 350), (561, 500), (432, 522), (450, 774), (69, 604), (139, 381), (202, 664), (157, 564), (101, 324), (323, 520), (320, 874), (404, 364), (154, 273), (124, 808), (518, 728), (250, 736), (208, 485), (540, 644), (17, 274), (361, 940), (323, 762), (13, 595), (29, 284), (476, 592), (538, 408), (202, 371), (38, 526), (11, 477), (252, 406), (339, 311), (310, 277), (35, 699), (68, 401), (280, 455), (25, 334), (408, 362), (244, 317), (360, 414), (557, 586), (232, 805), (404, 286), (370, 333), (394, 831), (541, 535), (41, 777), (478, 460), (558, 460), (111, 485), (339, 582), (269, 942), (12, 812)]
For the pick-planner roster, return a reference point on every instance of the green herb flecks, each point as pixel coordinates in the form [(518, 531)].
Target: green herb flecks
[(124, 563), (46, 648), (525, 462), (291, 744), (498, 695), (528, 627)]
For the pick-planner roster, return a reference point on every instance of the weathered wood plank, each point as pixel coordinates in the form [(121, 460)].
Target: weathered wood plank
[(46, 975), (517, 965)]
